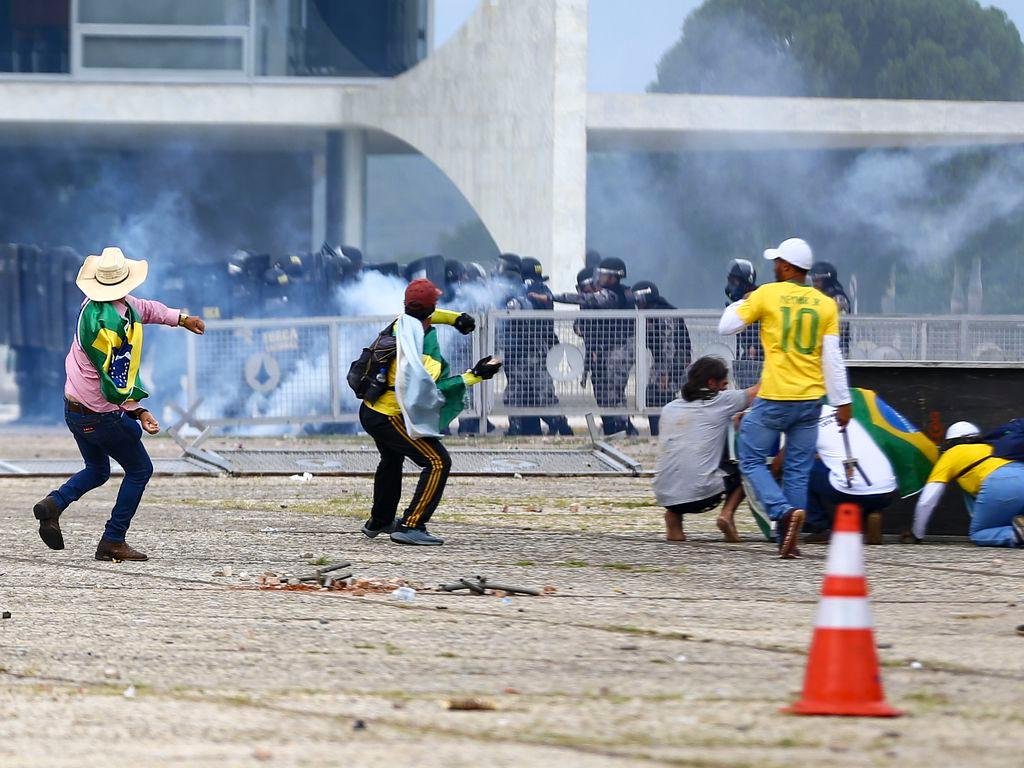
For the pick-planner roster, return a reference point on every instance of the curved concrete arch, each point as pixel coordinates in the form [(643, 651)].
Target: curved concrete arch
[(509, 131)]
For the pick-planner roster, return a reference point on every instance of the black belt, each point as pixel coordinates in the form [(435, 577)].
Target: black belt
[(79, 408)]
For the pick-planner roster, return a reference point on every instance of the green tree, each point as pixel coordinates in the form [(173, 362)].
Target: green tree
[(901, 49)]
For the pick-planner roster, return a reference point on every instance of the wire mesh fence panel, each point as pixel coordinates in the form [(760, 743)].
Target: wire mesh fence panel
[(263, 371), (941, 339), (995, 340), (880, 338), (559, 363)]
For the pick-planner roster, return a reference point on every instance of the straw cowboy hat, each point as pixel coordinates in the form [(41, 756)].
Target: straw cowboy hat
[(110, 276)]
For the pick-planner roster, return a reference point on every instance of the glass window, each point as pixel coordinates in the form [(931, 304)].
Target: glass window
[(197, 12), (34, 36), (116, 52), (357, 38)]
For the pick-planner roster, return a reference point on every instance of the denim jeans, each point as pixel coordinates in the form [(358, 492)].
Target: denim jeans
[(1000, 499), (759, 432), (100, 438), (822, 496)]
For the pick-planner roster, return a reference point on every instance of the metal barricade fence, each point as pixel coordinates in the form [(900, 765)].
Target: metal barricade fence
[(614, 363), (291, 370)]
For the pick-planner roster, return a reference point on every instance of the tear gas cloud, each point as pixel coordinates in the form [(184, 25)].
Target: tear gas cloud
[(902, 221)]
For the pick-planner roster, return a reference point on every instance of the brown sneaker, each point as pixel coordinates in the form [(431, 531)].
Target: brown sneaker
[(47, 512), (789, 533), (117, 550), (873, 528)]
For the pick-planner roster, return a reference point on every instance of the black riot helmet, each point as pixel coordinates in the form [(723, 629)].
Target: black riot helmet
[(454, 272), (354, 255), (611, 271), (645, 292), (532, 269), (585, 280), (509, 265), (823, 273), (475, 273), (741, 280)]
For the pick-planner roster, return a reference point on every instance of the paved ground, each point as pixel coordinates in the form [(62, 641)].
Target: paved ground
[(647, 654)]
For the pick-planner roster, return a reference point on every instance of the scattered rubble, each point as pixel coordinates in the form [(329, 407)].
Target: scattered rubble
[(470, 705), (482, 586)]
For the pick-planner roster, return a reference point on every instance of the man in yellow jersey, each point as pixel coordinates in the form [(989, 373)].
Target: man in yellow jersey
[(802, 363), (403, 428), (993, 489)]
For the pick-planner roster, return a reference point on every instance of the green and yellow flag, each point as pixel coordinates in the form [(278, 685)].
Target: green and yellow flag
[(114, 346), (909, 451)]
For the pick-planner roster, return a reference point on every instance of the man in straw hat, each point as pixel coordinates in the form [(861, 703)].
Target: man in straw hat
[(102, 394)]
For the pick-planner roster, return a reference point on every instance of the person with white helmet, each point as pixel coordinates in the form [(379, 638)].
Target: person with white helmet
[(993, 489)]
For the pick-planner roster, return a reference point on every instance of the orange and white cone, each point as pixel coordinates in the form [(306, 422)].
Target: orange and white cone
[(843, 676)]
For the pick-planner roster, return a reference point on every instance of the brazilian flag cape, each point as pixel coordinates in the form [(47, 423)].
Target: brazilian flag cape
[(452, 388), (909, 451), (114, 346)]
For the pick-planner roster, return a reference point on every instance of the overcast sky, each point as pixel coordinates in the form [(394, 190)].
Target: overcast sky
[(627, 37)]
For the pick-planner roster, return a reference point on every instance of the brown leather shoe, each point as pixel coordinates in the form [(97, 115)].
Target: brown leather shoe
[(47, 512), (117, 550)]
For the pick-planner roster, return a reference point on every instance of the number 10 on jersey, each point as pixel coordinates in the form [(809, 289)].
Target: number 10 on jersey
[(800, 331)]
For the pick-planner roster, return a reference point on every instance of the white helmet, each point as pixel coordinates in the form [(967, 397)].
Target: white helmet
[(962, 429)]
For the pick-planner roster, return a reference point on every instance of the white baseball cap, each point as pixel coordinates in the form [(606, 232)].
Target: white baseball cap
[(796, 251), (962, 429)]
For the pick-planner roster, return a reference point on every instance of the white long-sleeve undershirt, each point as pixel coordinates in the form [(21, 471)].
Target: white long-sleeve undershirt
[(926, 504), (833, 368), (730, 323)]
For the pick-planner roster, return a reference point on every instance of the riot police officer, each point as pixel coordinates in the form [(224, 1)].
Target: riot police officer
[(825, 277), (530, 384), (454, 276), (740, 281), (669, 343), (608, 343)]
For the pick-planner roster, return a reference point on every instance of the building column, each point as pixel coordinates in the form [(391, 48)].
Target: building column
[(345, 193), (319, 197)]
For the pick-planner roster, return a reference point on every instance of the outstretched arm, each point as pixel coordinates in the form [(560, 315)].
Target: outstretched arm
[(925, 506)]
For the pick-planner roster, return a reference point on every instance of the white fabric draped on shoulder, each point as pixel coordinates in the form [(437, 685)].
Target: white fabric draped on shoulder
[(418, 395)]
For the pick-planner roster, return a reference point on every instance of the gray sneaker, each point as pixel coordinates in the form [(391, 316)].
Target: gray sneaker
[(416, 536), (372, 533), (1018, 528)]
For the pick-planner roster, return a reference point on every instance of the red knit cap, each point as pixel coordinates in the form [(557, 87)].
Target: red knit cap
[(421, 293)]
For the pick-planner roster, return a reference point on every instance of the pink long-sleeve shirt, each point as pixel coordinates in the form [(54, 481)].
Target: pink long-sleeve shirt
[(83, 382)]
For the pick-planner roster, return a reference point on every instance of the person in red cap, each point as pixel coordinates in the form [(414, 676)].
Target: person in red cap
[(407, 419)]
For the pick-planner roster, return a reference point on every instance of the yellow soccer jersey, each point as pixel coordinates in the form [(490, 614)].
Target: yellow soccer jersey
[(794, 320), (960, 457)]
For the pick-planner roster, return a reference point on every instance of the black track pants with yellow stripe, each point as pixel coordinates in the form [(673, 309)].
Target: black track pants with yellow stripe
[(395, 445)]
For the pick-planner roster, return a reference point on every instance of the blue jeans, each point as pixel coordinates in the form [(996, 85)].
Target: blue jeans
[(100, 438), (1000, 499), (822, 496), (759, 432)]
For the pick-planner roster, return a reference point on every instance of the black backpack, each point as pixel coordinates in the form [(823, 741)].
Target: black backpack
[(1007, 443), (368, 373)]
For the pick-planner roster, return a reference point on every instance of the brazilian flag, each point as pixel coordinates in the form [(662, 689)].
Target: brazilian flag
[(453, 388), (114, 346), (909, 451)]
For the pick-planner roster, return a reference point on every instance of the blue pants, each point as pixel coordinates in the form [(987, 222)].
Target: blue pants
[(759, 431), (1000, 499), (822, 496), (100, 438)]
